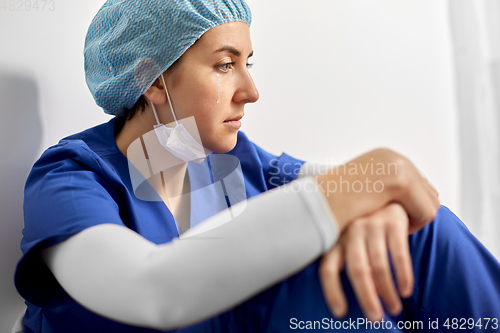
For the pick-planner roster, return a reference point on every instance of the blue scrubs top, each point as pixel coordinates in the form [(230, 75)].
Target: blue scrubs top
[(84, 181)]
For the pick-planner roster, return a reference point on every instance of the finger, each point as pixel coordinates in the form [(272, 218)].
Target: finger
[(401, 259), (360, 275), (329, 272), (377, 251)]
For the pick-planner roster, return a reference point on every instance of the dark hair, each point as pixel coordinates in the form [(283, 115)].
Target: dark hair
[(139, 106)]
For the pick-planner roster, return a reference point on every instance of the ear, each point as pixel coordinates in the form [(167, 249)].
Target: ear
[(156, 93)]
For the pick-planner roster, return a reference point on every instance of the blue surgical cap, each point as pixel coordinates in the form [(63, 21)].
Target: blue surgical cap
[(131, 42)]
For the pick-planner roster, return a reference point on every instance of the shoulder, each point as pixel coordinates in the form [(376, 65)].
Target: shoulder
[(72, 178), (70, 188), (64, 160), (81, 151), (247, 149), (100, 139), (274, 169)]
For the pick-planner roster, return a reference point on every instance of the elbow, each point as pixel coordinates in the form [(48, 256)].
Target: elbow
[(166, 304), (170, 317)]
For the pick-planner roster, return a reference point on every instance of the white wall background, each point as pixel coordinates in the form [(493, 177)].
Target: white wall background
[(336, 77)]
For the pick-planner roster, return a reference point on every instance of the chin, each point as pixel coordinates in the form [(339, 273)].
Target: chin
[(225, 145)]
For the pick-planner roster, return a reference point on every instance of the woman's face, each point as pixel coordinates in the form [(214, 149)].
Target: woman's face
[(211, 82)]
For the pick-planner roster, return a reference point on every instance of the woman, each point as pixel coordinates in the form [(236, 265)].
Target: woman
[(98, 258)]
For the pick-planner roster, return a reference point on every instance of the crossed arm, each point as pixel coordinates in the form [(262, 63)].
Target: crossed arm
[(146, 281)]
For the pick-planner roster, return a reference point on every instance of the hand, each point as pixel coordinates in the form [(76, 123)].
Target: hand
[(363, 249), (373, 180)]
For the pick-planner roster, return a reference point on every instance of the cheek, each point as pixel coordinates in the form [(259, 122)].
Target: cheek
[(198, 98), (207, 98), (211, 90)]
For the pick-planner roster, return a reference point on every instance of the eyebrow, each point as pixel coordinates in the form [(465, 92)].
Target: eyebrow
[(232, 50)]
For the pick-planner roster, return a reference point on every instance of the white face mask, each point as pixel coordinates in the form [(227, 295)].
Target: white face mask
[(178, 141)]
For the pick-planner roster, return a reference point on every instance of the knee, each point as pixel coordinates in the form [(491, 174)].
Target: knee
[(445, 225), (446, 236)]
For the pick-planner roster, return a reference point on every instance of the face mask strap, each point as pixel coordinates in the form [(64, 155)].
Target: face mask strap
[(154, 111), (168, 98), (169, 102)]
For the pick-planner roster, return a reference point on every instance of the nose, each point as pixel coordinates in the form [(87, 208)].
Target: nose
[(247, 91)]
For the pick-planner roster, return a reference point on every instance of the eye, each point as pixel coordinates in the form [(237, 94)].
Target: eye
[(249, 66), (226, 67)]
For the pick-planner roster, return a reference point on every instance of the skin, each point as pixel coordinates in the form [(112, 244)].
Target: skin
[(362, 248), (215, 70), (211, 82), (209, 61), (373, 223)]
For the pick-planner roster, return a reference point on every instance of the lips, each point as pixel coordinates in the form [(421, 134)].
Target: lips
[(234, 123), (233, 119)]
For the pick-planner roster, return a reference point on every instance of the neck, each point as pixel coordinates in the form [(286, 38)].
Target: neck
[(140, 124), (131, 130)]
